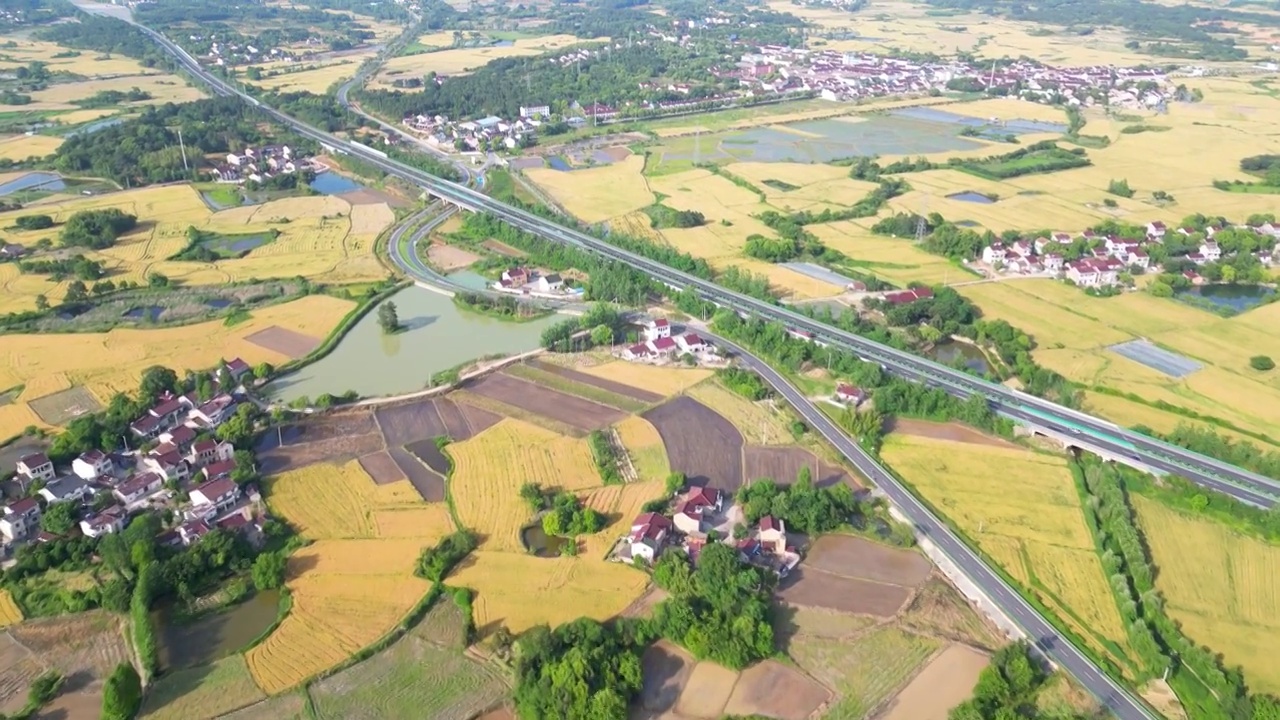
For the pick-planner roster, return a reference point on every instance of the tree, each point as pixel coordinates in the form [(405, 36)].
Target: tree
[(156, 280), (1261, 363), (76, 292), (268, 570), (59, 518), (157, 380), (262, 371), (122, 695), (42, 303), (388, 318), (1120, 188), (601, 335)]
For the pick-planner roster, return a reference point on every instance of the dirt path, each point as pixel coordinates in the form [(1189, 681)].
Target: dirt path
[(953, 431)]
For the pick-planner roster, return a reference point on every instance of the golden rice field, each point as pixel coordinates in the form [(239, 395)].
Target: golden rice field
[(759, 423), (323, 238), (355, 581), (897, 260), (21, 147), (666, 381), (1130, 413), (1222, 587), (88, 64), (314, 78), (596, 194), (163, 89), (518, 590), (490, 468), (111, 362), (1072, 332), (1021, 508), (459, 60), (10, 613), (644, 446)]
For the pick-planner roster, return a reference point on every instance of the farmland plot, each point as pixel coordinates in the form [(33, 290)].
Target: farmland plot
[(701, 444)]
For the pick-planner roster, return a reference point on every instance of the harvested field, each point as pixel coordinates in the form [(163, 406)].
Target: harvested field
[(558, 406), (958, 432), (783, 464), (426, 522), (587, 391), (863, 672), (811, 587), (859, 558), (490, 468), (207, 691), (759, 422), (62, 407), (666, 667), (381, 468), (939, 610), (328, 438), (85, 646), (618, 388), (707, 691), (449, 258), (429, 485), (284, 341), (430, 454), (280, 707), (774, 690), (701, 444), (330, 501), (644, 445), (945, 682), (415, 420), (792, 620), (501, 410), (478, 419), (596, 194), (665, 381), (455, 422), (413, 678)]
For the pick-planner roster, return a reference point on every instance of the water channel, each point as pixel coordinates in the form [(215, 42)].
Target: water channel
[(215, 636), (438, 337)]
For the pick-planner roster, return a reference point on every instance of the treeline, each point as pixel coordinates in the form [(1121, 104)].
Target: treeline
[(501, 306), (1042, 157), (1206, 689), (108, 35), (600, 325), (77, 266), (744, 382), (606, 456), (801, 505), (1240, 453), (435, 563)]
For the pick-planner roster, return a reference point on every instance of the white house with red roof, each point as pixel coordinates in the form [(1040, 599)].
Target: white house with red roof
[(772, 534), (691, 342), (846, 393), (138, 488), (213, 413), (220, 494), (691, 513), (168, 462), (92, 465), (659, 328), (1211, 251), (662, 346), (637, 351), (191, 531), (220, 469), (21, 519), (36, 466), (238, 368), (1156, 230), (107, 521), (648, 534)]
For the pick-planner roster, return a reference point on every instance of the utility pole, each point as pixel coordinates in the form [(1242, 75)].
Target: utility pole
[(181, 144)]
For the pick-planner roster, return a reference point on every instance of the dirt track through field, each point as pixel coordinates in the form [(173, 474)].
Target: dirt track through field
[(700, 443), (572, 411)]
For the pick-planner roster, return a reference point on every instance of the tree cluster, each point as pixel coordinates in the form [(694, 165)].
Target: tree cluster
[(745, 383), (1006, 688), (77, 266), (803, 507), (568, 517), (435, 563), (606, 456), (96, 229)]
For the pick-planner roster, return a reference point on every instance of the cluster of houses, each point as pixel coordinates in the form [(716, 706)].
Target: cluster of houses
[(236, 50), (846, 76), (1110, 256), (661, 343), (689, 527), (527, 281), (113, 487), (258, 164)]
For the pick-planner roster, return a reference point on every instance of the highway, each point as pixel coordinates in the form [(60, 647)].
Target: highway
[(1236, 482)]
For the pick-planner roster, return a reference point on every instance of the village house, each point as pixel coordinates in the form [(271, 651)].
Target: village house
[(773, 534), (662, 346), (138, 488), (110, 520), (691, 513), (92, 465), (1156, 230), (1094, 272), (35, 466), (691, 343), (515, 277), (548, 283), (658, 328), (21, 519), (167, 463), (66, 489), (217, 470), (179, 438), (238, 368), (1210, 250), (213, 413), (164, 415), (191, 531), (648, 534), (204, 452), (1052, 262), (637, 352), (220, 494), (850, 395)]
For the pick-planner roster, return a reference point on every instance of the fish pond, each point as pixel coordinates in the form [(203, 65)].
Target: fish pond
[(955, 353), (1234, 298), (438, 336), (214, 636)]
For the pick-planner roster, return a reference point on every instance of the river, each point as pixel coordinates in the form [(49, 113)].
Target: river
[(439, 337)]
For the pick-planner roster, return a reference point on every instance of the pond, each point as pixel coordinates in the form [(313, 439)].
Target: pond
[(331, 183), (215, 636), (150, 313), (540, 543), (469, 279), (219, 303), (237, 245), (951, 352), (95, 126), (33, 181), (1237, 297), (998, 127), (439, 337), (971, 196), (555, 162)]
